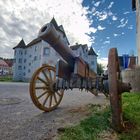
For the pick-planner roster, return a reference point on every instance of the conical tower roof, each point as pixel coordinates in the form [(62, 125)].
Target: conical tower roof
[(21, 44)]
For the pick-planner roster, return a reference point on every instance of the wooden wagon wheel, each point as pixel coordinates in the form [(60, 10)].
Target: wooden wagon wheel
[(115, 96), (42, 89)]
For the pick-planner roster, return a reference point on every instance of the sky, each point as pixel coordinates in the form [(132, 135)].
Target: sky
[(102, 24)]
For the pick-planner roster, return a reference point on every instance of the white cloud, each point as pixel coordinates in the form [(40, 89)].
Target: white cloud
[(110, 5), (126, 13), (130, 27), (92, 39), (122, 20), (93, 30), (107, 37), (103, 15), (115, 35), (97, 3), (100, 27), (114, 18), (93, 10), (24, 18), (123, 23), (103, 61), (106, 42), (110, 13), (100, 15)]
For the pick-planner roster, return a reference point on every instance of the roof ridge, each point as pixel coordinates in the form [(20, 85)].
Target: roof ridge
[(34, 41)]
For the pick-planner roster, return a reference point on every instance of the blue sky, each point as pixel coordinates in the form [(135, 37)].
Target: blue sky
[(119, 30), (102, 24)]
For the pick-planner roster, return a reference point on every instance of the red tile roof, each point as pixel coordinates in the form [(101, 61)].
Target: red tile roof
[(9, 62), (3, 63)]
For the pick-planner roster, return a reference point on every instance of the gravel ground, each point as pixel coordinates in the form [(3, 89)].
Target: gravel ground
[(21, 120)]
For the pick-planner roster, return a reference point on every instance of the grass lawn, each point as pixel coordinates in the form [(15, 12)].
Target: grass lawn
[(5, 78), (98, 125), (131, 110)]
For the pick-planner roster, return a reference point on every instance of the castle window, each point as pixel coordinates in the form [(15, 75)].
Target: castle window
[(92, 62), (35, 58), (35, 48), (46, 51), (19, 60), (19, 67), (20, 52), (24, 60)]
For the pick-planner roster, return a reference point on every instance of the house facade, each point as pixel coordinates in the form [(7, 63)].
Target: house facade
[(88, 55), (10, 64), (30, 57), (136, 7), (4, 68)]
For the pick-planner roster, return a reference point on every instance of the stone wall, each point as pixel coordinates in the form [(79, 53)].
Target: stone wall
[(132, 76)]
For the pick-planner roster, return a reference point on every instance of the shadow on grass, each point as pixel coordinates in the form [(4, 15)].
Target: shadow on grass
[(98, 125)]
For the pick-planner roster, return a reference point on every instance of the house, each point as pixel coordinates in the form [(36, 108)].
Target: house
[(4, 68), (127, 61), (88, 55), (33, 55), (30, 57), (10, 64), (136, 7)]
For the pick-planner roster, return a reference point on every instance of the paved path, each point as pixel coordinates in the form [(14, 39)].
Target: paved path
[(21, 120)]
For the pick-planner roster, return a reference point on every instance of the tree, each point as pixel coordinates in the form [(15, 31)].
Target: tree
[(100, 68)]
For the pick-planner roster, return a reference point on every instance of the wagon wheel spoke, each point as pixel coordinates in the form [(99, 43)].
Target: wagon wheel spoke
[(46, 99), (50, 103), (50, 76), (58, 93), (42, 80), (41, 95), (42, 87), (55, 99), (44, 73), (39, 87)]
